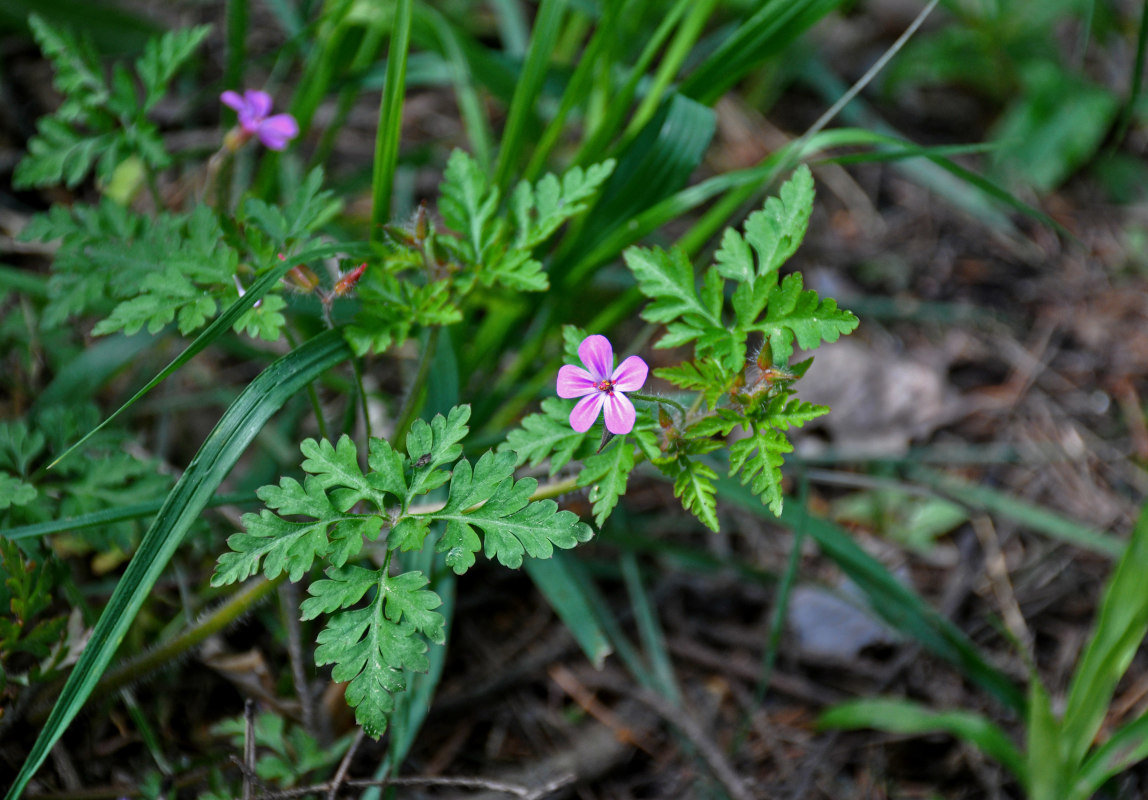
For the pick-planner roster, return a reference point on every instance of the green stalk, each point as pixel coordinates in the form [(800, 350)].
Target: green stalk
[(547, 28), (390, 119), (414, 399)]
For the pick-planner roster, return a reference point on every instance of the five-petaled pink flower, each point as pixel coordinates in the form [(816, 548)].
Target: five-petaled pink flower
[(601, 386), (253, 107)]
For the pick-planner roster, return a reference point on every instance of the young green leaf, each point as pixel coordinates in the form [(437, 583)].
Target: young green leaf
[(545, 435), (759, 459), (512, 526), (694, 484), (606, 473), (800, 314), (431, 446)]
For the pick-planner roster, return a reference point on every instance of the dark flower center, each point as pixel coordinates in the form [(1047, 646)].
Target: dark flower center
[(606, 386)]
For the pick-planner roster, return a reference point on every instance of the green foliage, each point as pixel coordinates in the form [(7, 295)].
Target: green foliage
[(606, 473), (546, 435), (27, 593), (107, 477), (493, 250), (181, 262), (371, 647), (429, 274), (101, 124), (293, 753), (756, 397), (339, 505), (270, 230)]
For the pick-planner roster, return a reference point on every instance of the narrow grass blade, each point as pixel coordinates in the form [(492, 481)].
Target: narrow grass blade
[(1128, 746), (564, 591), (657, 163), (774, 25), (1029, 515), (109, 515), (906, 717), (82, 376), (1046, 766), (390, 119), (1121, 624), (897, 604), (547, 29), (220, 326), (24, 282), (650, 630), (222, 448), (449, 45)]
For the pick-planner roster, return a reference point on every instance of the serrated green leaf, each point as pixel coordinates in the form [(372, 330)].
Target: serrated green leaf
[(163, 57), (468, 205), (784, 412), (371, 652), (540, 210), (694, 485), (430, 446), (343, 587), (606, 474), (545, 435), (512, 526), (759, 458), (798, 314)]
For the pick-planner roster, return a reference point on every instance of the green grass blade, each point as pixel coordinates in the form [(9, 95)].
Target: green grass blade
[(23, 281), (650, 631), (86, 373), (390, 119), (1121, 623), (449, 44), (1031, 516), (593, 149), (657, 163), (547, 29), (1046, 765), (220, 326), (107, 516), (564, 591), (774, 25), (894, 602), (1127, 746), (894, 715), (222, 448)]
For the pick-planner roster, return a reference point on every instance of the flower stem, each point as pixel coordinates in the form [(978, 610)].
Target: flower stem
[(414, 399)]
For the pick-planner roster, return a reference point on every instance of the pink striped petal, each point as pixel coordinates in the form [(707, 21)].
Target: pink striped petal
[(620, 414), (597, 354), (586, 411), (575, 382), (630, 374)]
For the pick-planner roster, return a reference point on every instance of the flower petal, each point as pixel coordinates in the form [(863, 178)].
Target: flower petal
[(620, 414), (586, 411), (276, 131), (597, 354), (575, 382), (258, 103), (630, 374), (232, 100)]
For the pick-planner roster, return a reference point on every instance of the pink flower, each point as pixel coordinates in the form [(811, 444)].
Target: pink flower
[(601, 386), (253, 108)]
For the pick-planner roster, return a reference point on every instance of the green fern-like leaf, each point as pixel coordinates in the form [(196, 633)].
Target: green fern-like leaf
[(195, 268), (759, 458), (606, 474), (489, 499), (547, 435), (541, 209), (797, 314), (694, 485)]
